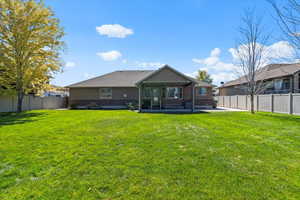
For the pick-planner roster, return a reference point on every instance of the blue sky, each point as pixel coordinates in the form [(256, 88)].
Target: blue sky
[(186, 34)]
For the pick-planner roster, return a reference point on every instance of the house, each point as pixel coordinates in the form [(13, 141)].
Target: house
[(161, 89), (277, 79)]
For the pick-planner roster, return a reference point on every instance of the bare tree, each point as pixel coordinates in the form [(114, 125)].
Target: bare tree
[(288, 19), (250, 54)]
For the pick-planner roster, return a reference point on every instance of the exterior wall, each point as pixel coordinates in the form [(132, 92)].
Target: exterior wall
[(166, 75), (232, 90), (204, 100), (86, 96)]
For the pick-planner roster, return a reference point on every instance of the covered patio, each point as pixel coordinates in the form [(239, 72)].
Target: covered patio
[(166, 89), (168, 96)]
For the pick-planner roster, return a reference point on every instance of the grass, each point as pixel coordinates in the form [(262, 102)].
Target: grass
[(125, 155)]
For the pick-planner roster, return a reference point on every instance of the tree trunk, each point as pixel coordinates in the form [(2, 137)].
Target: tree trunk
[(20, 101), (252, 103)]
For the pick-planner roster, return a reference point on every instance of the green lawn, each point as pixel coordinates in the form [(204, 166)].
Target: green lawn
[(125, 155)]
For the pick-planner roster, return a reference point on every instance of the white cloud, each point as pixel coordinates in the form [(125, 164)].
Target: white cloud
[(211, 60), (215, 52), (114, 30), (223, 77), (277, 52), (149, 65), (70, 64), (88, 75), (110, 55), (219, 70), (281, 50), (225, 71)]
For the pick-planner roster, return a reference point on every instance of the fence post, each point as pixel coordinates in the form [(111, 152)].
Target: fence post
[(257, 102), (272, 103), (237, 101), (223, 104), (246, 103), (290, 103)]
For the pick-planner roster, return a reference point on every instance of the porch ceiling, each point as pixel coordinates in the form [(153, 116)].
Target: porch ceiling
[(164, 84)]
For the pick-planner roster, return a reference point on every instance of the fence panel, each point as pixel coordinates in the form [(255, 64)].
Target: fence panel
[(53, 102), (9, 103), (36, 103), (220, 101), (26, 103), (227, 101), (6, 103), (296, 104), (242, 102), (234, 101), (265, 103), (281, 103)]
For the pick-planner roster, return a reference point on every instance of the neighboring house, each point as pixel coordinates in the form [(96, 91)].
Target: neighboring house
[(277, 79), (57, 91), (160, 89)]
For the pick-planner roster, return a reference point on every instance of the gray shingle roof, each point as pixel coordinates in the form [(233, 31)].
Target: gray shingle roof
[(126, 78), (269, 72)]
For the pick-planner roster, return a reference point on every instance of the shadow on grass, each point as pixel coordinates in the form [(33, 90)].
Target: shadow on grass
[(285, 117), (177, 113), (18, 118)]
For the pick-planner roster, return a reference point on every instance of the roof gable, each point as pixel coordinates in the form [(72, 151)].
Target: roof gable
[(166, 74)]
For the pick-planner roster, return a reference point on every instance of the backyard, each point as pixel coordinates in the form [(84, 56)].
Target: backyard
[(125, 155)]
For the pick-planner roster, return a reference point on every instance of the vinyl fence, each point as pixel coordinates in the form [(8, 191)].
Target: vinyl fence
[(279, 103), (9, 103)]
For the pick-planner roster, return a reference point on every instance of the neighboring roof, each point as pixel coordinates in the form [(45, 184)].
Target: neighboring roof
[(128, 78), (268, 72)]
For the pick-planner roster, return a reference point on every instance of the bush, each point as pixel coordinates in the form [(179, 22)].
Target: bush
[(131, 106)]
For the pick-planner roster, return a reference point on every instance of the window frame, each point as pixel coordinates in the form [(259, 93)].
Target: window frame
[(105, 97), (167, 96)]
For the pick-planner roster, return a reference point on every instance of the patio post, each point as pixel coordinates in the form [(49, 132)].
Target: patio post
[(193, 97), (140, 98)]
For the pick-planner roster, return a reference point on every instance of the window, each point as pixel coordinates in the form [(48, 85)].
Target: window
[(147, 92), (269, 85), (174, 93), (105, 93), (278, 84), (286, 84), (202, 91)]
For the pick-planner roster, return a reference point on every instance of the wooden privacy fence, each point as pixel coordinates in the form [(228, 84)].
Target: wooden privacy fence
[(9, 103), (279, 103)]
